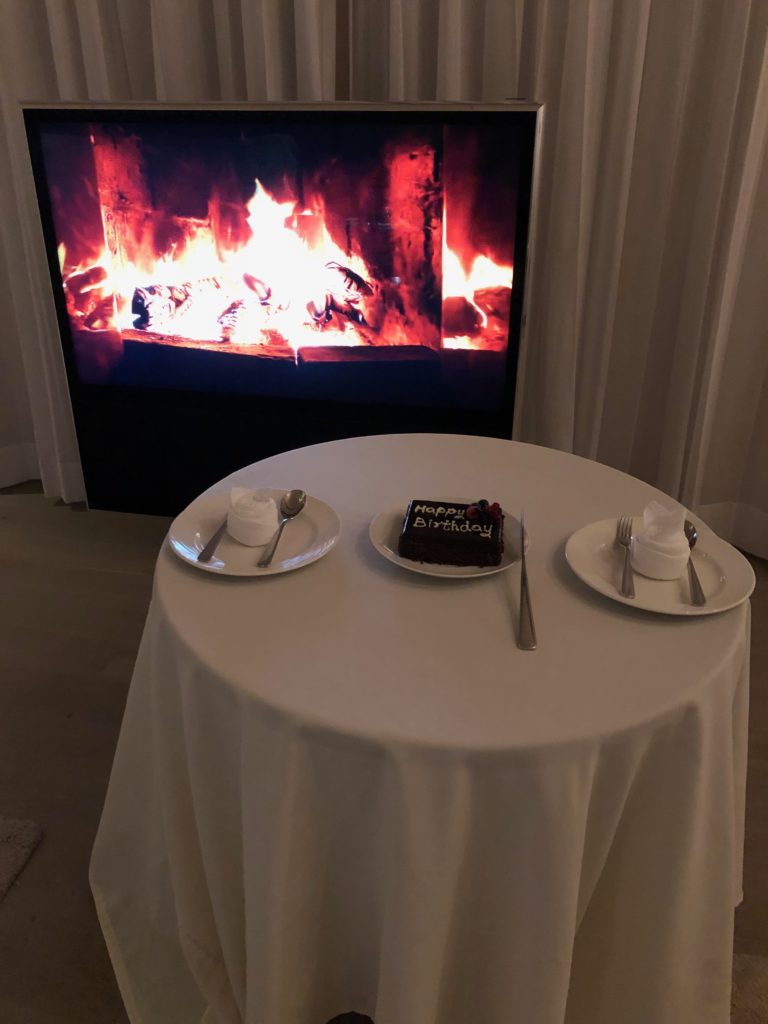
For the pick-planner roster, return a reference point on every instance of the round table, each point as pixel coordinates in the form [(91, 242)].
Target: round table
[(346, 788)]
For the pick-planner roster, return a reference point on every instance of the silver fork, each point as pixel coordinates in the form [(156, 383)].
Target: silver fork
[(624, 538)]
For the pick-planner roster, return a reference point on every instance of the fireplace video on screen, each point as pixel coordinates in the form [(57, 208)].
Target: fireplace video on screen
[(280, 255)]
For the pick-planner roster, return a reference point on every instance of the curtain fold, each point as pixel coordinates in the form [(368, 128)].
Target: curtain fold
[(27, 71), (728, 449), (645, 342)]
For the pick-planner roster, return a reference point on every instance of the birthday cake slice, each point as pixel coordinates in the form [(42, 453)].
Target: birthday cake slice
[(452, 533)]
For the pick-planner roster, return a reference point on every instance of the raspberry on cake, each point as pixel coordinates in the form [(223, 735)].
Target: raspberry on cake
[(452, 532)]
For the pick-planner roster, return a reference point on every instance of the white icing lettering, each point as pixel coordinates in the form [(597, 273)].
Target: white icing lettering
[(449, 519), (449, 511)]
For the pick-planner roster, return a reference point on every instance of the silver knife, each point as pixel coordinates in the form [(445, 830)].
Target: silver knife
[(526, 634), (210, 548)]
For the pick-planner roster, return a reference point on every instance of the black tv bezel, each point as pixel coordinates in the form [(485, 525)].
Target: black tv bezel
[(96, 406)]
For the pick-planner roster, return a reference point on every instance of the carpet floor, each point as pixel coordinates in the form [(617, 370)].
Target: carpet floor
[(18, 840), (749, 999)]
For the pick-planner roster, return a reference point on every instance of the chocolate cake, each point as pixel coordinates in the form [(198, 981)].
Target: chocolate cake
[(452, 533)]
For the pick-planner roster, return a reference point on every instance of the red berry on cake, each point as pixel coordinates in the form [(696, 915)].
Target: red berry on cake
[(484, 512)]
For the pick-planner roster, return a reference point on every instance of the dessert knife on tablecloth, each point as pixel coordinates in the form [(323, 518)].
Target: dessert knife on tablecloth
[(526, 633)]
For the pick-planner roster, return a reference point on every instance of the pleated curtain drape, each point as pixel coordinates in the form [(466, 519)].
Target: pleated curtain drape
[(646, 342)]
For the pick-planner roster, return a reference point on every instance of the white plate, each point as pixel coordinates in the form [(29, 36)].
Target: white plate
[(385, 530), (306, 538), (725, 574)]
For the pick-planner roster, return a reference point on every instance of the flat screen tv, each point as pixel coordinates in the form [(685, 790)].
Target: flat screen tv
[(232, 282)]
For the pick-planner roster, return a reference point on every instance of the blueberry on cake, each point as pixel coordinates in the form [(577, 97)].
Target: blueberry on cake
[(453, 533)]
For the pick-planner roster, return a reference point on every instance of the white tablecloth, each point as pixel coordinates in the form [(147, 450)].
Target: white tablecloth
[(345, 787)]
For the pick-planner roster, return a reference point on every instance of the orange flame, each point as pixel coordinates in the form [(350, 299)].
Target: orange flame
[(277, 282), (483, 273)]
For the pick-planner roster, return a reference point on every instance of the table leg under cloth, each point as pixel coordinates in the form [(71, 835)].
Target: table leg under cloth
[(252, 869)]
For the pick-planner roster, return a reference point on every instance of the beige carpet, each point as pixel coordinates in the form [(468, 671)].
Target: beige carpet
[(18, 839), (749, 997), (749, 1000)]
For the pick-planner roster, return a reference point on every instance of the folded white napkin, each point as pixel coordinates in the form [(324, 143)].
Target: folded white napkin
[(252, 516), (659, 547)]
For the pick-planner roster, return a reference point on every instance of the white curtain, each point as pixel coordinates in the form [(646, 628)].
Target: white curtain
[(646, 345)]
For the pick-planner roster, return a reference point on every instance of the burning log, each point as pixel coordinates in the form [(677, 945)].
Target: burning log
[(244, 322), (243, 314), (460, 317), (275, 348), (102, 315), (495, 301), (85, 291), (157, 304), (83, 281), (230, 318), (345, 292)]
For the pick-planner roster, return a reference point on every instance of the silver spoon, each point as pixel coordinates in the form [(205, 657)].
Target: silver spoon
[(290, 505), (698, 597)]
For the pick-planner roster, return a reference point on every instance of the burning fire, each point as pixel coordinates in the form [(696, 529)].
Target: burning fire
[(288, 282), (483, 274)]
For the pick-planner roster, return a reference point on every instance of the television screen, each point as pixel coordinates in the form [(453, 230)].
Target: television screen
[(355, 255), (235, 281)]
